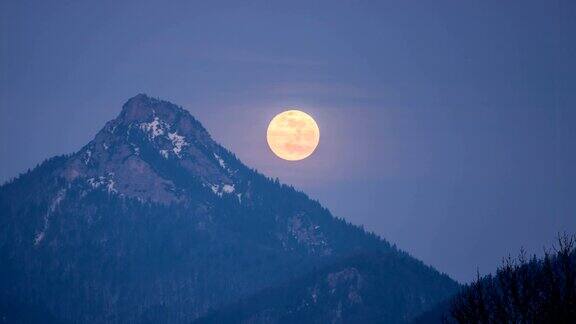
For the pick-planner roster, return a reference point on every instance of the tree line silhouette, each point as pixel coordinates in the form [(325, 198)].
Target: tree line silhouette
[(523, 290)]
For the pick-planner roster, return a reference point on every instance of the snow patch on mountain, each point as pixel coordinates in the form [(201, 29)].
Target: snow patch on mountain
[(159, 128), (106, 182), (178, 142), (88, 156), (60, 195), (220, 161), (110, 186), (220, 190), (154, 128)]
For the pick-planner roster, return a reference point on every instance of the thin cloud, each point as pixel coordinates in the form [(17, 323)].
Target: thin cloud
[(254, 58), (321, 89)]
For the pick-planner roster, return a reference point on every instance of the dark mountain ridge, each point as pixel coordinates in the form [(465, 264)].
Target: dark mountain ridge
[(153, 221), (355, 289)]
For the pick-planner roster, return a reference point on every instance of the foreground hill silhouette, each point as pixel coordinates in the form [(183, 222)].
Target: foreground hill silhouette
[(521, 291), (153, 221)]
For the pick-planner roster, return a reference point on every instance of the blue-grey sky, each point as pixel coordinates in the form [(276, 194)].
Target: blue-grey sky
[(447, 127)]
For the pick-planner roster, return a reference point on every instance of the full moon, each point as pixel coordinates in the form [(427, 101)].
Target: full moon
[(293, 135)]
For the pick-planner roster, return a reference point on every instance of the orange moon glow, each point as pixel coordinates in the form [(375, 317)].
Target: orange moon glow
[(293, 135)]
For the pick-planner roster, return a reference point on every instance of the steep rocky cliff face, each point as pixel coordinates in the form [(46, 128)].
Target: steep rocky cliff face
[(152, 221)]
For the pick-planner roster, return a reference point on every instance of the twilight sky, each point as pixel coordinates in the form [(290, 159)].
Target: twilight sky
[(447, 127)]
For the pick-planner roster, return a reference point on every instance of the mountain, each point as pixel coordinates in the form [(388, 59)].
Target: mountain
[(356, 289), (153, 221)]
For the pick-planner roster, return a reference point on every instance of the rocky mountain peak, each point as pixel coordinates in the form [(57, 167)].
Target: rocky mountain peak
[(154, 150), (142, 108)]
